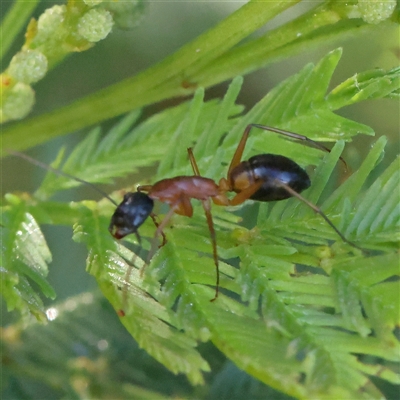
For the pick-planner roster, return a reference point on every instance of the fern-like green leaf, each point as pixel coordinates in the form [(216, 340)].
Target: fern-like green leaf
[(299, 309)]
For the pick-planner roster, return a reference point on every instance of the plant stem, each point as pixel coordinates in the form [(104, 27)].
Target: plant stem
[(257, 53), (14, 21)]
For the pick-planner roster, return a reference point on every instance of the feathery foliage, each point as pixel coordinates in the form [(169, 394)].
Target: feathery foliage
[(311, 318)]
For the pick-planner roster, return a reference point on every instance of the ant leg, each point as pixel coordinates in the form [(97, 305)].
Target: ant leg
[(207, 209), (298, 137), (222, 200), (121, 312), (320, 212), (182, 206), (159, 231), (156, 223), (147, 188), (239, 150), (237, 157), (245, 194), (193, 162)]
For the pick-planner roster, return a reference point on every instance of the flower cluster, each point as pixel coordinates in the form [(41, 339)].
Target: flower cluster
[(58, 31)]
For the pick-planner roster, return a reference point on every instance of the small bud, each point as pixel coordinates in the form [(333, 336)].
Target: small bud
[(126, 14), (95, 25), (28, 66), (17, 102), (375, 11), (50, 21)]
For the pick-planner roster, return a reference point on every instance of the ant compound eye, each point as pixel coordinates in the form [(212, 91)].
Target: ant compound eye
[(130, 214)]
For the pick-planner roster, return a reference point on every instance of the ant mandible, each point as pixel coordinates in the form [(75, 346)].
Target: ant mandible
[(264, 177)]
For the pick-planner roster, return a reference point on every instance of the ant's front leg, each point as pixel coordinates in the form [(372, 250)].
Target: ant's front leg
[(159, 231), (157, 224), (147, 188)]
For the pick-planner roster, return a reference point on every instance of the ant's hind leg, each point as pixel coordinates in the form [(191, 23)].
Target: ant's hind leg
[(321, 213), (207, 209)]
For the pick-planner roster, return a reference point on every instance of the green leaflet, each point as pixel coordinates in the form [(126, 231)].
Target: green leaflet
[(24, 255)]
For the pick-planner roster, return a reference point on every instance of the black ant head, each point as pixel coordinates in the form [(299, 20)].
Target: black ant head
[(130, 214)]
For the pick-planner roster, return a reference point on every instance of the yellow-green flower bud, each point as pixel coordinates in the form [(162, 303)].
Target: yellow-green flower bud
[(50, 21), (95, 25), (28, 66), (17, 103), (126, 14), (375, 11)]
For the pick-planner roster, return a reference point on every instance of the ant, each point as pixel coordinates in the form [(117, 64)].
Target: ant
[(263, 177)]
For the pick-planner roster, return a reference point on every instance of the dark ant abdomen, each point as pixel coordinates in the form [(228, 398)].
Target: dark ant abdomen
[(271, 169)]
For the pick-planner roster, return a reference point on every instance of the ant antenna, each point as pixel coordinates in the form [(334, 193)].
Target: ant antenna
[(120, 312), (61, 173)]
